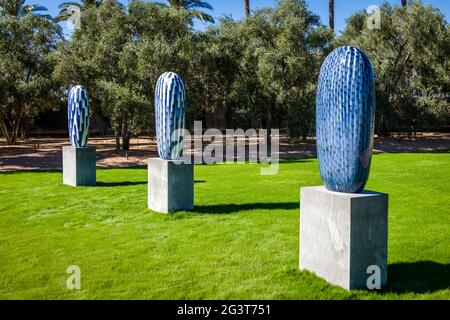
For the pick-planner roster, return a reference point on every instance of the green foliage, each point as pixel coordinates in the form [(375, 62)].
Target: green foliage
[(260, 71), (18, 8), (410, 56), (119, 53), (273, 58), (192, 7), (26, 86), (229, 67), (93, 58)]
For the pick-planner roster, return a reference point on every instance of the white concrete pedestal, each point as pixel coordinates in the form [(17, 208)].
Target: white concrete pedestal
[(342, 235), (170, 186), (79, 166)]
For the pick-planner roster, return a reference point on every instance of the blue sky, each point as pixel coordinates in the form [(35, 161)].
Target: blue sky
[(235, 8)]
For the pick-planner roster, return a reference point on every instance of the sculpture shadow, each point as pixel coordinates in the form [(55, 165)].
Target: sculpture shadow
[(296, 160), (120, 184), (28, 171), (134, 167), (418, 277), (101, 184), (234, 208)]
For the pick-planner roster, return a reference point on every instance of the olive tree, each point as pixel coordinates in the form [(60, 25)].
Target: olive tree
[(410, 56)]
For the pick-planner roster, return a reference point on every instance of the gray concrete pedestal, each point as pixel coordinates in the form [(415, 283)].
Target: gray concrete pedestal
[(343, 235), (79, 166), (170, 186)]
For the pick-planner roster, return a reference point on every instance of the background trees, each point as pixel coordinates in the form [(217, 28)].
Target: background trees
[(193, 6), (18, 9), (410, 56), (119, 54), (269, 90), (257, 72), (26, 86)]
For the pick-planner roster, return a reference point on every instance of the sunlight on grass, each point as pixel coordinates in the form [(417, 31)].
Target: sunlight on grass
[(240, 242)]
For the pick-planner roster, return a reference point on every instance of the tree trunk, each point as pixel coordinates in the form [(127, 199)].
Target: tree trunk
[(5, 131), (125, 138), (126, 142), (414, 127), (404, 3), (117, 136), (11, 131), (384, 127), (331, 13), (247, 8)]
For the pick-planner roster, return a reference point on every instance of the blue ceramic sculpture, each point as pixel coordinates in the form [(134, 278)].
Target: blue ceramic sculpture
[(78, 116), (170, 114), (345, 120)]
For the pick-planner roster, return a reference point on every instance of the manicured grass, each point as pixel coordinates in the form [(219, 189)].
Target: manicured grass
[(241, 242)]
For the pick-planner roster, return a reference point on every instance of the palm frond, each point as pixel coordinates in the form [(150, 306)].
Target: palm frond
[(62, 16), (33, 8), (160, 3), (65, 5), (202, 16), (194, 4), (46, 16)]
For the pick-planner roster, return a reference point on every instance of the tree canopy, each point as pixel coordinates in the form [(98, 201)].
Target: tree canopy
[(26, 85), (410, 56), (257, 72)]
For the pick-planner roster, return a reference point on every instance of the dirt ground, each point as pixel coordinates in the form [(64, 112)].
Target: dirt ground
[(46, 153)]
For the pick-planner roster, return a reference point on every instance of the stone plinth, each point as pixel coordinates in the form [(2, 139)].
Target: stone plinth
[(342, 235), (79, 166), (170, 186)]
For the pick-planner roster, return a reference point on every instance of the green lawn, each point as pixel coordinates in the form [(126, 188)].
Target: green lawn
[(241, 242)]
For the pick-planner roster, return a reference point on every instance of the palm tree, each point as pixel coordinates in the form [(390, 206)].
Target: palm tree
[(64, 13), (17, 8), (247, 8), (192, 6), (331, 13)]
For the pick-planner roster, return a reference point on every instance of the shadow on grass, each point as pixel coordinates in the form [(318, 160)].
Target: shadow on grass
[(133, 167), (29, 171), (297, 160), (128, 183), (418, 277), (233, 208), (120, 184)]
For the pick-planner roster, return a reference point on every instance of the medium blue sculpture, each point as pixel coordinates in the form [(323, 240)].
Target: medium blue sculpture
[(78, 116), (170, 114), (345, 120)]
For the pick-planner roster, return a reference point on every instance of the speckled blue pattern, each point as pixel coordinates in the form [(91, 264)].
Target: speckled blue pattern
[(170, 114), (78, 116), (345, 120)]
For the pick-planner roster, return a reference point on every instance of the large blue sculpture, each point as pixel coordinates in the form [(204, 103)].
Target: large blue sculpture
[(345, 120), (170, 114), (78, 116)]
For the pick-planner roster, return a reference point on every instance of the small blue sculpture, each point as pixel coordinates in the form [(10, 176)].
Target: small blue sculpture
[(345, 120), (78, 116), (170, 114)]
